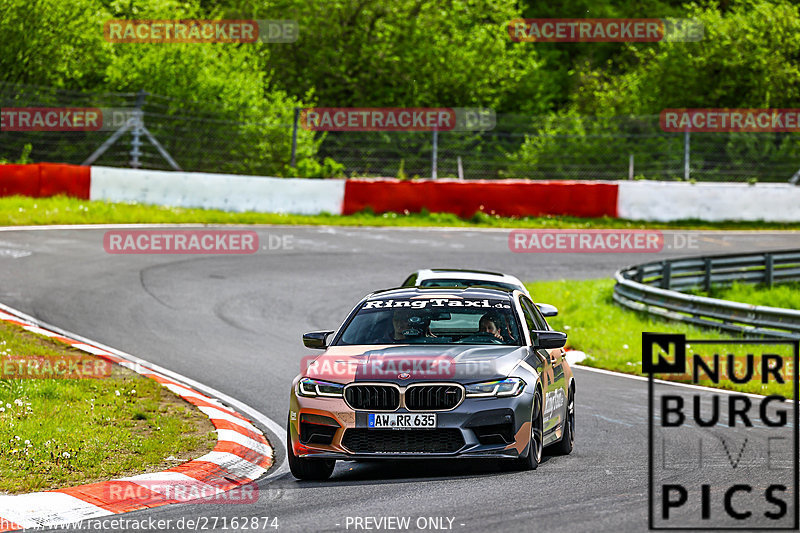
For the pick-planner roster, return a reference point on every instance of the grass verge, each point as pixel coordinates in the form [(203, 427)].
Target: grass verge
[(64, 432), (611, 336), (23, 211), (785, 295)]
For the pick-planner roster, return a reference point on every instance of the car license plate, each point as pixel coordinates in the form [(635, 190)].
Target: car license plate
[(401, 420)]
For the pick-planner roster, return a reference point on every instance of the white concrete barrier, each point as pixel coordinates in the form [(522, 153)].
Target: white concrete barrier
[(660, 201), (664, 201), (218, 191)]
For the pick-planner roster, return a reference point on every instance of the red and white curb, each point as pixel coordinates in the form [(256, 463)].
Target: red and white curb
[(242, 455)]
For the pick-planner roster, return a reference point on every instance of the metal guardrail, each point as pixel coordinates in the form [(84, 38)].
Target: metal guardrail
[(654, 288)]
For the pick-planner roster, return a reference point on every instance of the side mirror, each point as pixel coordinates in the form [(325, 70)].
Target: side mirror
[(548, 340), (316, 339), (547, 309)]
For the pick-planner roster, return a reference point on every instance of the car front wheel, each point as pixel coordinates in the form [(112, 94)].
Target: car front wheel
[(534, 456)]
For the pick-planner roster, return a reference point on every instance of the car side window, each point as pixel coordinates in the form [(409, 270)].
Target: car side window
[(410, 281), (536, 316), (529, 322)]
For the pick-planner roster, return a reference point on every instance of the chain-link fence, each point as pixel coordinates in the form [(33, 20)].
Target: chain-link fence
[(196, 135), (519, 146)]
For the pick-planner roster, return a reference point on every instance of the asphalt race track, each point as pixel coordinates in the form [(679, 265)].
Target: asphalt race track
[(234, 323)]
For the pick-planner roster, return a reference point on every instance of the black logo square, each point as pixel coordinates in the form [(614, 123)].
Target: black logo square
[(663, 343)]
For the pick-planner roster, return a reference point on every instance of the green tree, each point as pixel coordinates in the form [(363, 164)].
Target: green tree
[(748, 58), (365, 53)]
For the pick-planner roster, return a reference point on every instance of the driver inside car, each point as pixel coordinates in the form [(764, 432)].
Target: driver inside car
[(488, 324), (407, 323)]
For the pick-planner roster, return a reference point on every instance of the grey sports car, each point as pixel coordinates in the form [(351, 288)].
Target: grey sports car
[(437, 373)]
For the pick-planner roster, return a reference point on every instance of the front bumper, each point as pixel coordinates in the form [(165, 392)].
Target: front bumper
[(327, 428)]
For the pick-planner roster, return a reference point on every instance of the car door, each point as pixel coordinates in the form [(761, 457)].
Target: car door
[(555, 392)]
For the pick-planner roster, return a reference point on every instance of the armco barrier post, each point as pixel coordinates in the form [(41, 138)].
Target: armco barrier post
[(707, 276), (769, 270), (666, 274)]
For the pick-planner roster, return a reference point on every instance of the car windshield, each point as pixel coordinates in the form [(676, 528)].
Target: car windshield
[(464, 283), (433, 320)]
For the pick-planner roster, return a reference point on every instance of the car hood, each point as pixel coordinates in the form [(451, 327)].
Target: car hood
[(404, 363)]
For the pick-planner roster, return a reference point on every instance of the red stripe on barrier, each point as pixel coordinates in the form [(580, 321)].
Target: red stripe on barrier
[(45, 179), (20, 180), (465, 198), (71, 180)]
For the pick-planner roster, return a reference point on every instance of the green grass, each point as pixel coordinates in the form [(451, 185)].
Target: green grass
[(785, 295), (64, 432), (18, 210), (611, 335)]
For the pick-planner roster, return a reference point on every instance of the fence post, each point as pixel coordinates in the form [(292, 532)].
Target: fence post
[(707, 278), (769, 271), (666, 274), (460, 169), (434, 154), (136, 132), (630, 167), (294, 137), (686, 170)]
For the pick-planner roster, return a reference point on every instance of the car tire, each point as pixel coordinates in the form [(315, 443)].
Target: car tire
[(307, 469), (531, 460), (565, 445)]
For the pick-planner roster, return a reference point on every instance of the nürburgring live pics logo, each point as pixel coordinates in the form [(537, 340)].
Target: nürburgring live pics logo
[(722, 460)]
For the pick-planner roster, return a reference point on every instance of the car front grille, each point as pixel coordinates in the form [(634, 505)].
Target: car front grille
[(361, 440), (433, 397), (372, 397)]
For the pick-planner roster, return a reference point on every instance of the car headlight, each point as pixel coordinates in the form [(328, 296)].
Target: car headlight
[(314, 387), (500, 388)]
